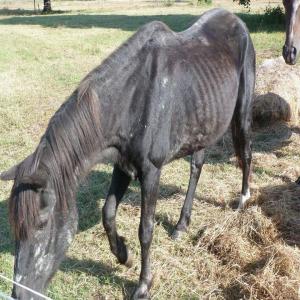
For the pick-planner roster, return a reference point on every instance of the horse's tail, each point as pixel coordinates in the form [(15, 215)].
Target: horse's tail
[(242, 117)]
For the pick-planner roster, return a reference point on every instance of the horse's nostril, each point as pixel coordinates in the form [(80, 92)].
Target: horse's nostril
[(285, 51), (289, 53), (292, 54), (294, 51)]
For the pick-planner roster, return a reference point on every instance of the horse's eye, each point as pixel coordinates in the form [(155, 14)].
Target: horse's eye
[(44, 199), (42, 224)]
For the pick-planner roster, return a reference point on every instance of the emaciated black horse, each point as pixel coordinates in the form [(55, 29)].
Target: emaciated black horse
[(291, 47), (161, 96)]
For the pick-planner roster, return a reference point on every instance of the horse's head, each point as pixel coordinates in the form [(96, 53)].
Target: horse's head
[(291, 47), (42, 231)]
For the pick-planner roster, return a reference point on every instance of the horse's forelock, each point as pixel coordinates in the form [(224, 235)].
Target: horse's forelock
[(23, 201), (23, 207), (23, 211)]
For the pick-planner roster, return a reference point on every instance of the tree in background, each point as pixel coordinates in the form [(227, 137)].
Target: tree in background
[(47, 6), (243, 2)]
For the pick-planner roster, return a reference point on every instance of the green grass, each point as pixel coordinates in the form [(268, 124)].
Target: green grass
[(42, 60)]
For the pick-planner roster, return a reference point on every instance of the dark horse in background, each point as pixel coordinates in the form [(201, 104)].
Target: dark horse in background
[(161, 96), (291, 47)]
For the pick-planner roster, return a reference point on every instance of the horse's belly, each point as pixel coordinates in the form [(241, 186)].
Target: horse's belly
[(204, 129)]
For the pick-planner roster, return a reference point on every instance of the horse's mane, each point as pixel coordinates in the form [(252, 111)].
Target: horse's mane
[(73, 135)]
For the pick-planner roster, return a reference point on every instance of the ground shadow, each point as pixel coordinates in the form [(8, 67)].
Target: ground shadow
[(235, 291), (124, 22), (94, 187), (163, 219), (255, 22), (271, 138), (104, 273), (281, 203), (26, 12), (6, 238), (17, 12)]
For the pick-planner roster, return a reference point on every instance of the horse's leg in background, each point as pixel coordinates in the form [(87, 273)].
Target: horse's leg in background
[(241, 130), (118, 187), (298, 180), (149, 187), (241, 141), (197, 162)]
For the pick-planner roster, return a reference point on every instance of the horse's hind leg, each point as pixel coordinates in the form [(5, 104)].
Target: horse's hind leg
[(197, 162), (118, 187), (241, 131), (243, 151)]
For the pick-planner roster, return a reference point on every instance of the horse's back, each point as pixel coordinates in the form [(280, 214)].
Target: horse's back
[(218, 24), (196, 83)]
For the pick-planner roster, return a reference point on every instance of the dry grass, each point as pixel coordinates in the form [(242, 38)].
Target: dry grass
[(225, 254), (265, 268)]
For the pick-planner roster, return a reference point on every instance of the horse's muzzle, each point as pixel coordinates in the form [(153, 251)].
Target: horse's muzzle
[(289, 54)]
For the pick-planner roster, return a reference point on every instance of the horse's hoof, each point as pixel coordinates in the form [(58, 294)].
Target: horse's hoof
[(129, 260), (177, 234), (141, 293), (240, 208), (123, 254), (141, 297)]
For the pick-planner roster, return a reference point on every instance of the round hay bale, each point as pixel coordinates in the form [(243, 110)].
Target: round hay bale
[(269, 108), (277, 93)]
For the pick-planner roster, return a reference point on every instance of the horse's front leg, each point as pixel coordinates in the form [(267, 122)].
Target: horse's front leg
[(118, 187), (149, 187)]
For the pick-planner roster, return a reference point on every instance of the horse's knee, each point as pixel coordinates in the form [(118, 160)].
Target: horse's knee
[(145, 232), (108, 214)]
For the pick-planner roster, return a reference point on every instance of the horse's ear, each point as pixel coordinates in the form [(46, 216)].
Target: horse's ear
[(9, 174), (37, 180)]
